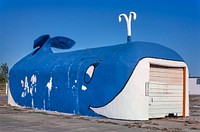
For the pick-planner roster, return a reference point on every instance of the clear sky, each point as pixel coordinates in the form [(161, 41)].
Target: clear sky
[(94, 23)]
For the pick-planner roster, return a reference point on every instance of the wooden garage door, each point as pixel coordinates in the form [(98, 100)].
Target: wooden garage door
[(165, 91)]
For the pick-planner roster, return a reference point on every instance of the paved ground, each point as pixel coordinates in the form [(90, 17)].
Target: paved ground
[(13, 119)]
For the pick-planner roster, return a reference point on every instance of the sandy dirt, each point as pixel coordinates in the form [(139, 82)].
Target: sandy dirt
[(37, 120)]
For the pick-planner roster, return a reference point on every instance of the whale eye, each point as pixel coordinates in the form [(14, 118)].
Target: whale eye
[(89, 74)]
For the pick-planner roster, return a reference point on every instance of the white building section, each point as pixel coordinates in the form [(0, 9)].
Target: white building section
[(151, 95), (10, 98), (194, 85)]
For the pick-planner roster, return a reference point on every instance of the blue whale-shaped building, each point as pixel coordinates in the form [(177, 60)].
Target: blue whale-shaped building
[(131, 81)]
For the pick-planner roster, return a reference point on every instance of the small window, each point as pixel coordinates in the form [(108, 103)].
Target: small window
[(198, 81)]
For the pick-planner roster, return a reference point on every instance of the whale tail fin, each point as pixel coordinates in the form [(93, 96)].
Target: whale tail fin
[(61, 42), (40, 41), (56, 42)]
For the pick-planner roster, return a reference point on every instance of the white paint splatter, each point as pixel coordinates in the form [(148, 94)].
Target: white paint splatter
[(22, 82), (31, 91), (49, 86), (26, 84), (33, 84), (23, 94), (73, 86), (33, 79), (68, 77), (32, 103), (84, 87)]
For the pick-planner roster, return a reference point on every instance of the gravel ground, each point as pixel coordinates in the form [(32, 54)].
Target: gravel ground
[(22, 119)]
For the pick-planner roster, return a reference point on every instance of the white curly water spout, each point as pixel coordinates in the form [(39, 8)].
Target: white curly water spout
[(128, 22)]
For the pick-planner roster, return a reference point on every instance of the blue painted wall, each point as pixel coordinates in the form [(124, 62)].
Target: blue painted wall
[(59, 81)]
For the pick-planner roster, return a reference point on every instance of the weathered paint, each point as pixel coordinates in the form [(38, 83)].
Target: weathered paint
[(109, 82), (166, 91)]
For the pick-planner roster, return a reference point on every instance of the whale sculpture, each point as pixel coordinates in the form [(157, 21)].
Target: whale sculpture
[(114, 81), (105, 81)]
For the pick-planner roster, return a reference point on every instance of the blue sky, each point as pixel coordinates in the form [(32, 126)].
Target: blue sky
[(94, 23)]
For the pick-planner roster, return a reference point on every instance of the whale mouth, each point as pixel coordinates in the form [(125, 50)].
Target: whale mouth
[(133, 102)]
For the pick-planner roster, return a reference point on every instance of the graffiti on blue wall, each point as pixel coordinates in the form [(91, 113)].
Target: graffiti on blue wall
[(77, 81)]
